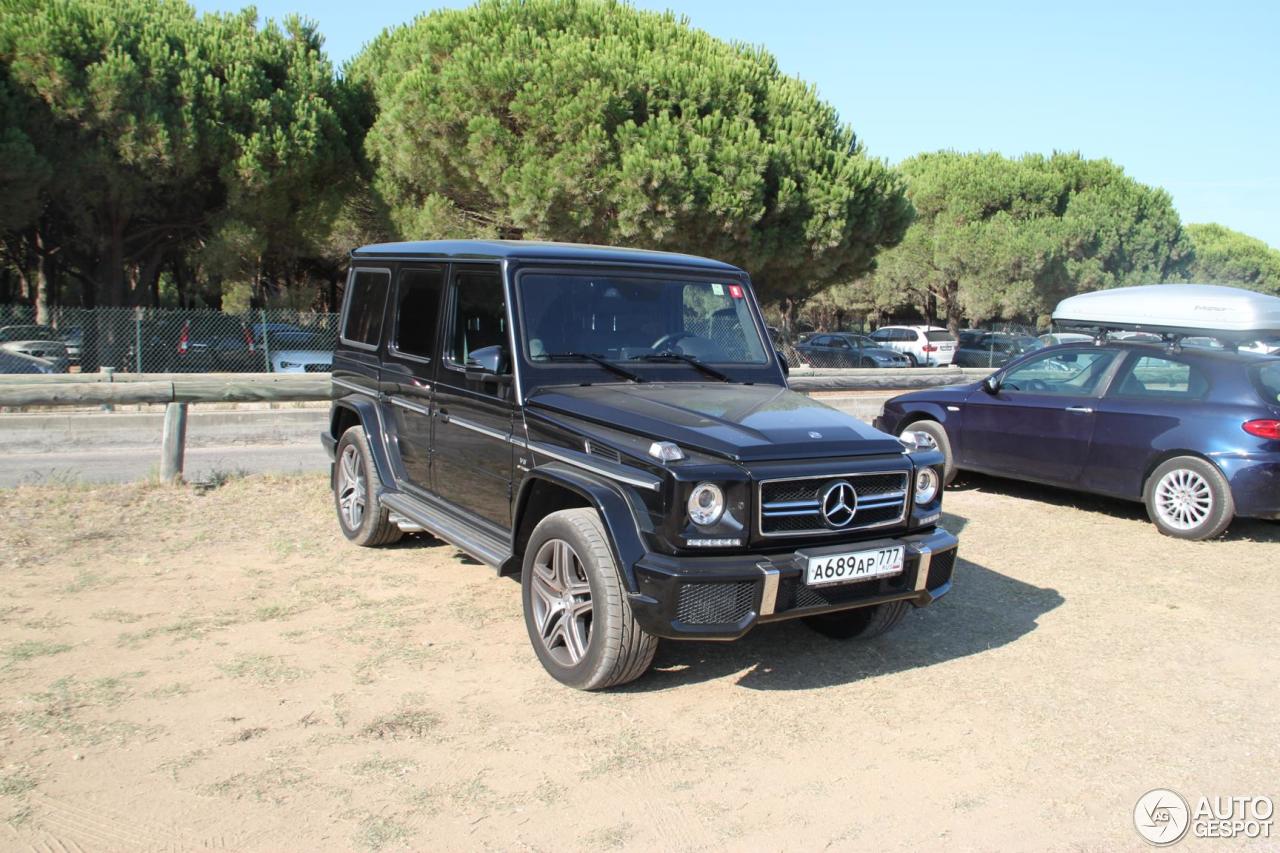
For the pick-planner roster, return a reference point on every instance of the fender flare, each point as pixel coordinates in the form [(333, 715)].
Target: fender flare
[(606, 497), (366, 410)]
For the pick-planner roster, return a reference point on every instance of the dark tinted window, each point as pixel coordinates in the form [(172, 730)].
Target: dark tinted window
[(1152, 376), (939, 335), (365, 304), (479, 315), (417, 311)]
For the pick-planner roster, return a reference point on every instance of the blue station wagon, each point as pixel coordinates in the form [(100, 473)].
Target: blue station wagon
[(1192, 433)]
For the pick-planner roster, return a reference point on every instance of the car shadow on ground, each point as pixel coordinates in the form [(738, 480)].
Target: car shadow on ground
[(1251, 529), (985, 610)]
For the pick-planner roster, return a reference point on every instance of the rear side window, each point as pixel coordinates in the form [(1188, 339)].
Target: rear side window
[(1152, 376), (882, 335), (939, 335), (417, 311), (1267, 380), (365, 304)]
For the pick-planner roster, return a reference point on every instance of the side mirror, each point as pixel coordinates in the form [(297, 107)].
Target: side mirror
[(488, 364), (782, 360), (991, 385)]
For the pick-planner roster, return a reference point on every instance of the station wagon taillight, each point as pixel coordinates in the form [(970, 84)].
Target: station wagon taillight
[(1263, 428)]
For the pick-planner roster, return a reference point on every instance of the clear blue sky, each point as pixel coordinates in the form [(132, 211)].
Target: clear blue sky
[(1183, 95)]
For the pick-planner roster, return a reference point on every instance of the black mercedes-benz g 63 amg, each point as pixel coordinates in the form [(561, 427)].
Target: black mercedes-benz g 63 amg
[(613, 424)]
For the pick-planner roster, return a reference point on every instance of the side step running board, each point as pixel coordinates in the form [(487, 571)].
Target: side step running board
[(480, 544)]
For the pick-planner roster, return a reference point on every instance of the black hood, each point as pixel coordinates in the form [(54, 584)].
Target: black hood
[(742, 422)]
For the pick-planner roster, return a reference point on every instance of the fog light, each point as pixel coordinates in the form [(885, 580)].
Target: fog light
[(706, 504), (926, 485)]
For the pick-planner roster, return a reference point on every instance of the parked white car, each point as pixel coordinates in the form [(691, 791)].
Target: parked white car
[(925, 346), (301, 353)]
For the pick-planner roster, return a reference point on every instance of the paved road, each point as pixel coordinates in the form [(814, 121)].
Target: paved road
[(125, 465)]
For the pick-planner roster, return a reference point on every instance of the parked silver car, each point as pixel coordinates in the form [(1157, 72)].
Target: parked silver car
[(37, 342)]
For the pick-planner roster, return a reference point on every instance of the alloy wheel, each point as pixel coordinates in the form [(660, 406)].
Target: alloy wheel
[(351, 487), (561, 598), (1183, 499)]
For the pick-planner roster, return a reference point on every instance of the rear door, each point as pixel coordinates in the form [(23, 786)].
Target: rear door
[(408, 370), (1039, 423), (1155, 401), (472, 452)]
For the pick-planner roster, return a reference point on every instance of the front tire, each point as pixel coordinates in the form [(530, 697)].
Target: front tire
[(1188, 498), (575, 609), (915, 362), (938, 434), (362, 517), (862, 623)]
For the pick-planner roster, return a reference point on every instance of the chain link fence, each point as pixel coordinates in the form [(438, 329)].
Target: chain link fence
[(149, 340)]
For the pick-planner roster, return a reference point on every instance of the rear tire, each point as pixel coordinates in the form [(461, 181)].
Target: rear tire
[(936, 432), (575, 609), (1188, 498), (362, 517), (862, 623)]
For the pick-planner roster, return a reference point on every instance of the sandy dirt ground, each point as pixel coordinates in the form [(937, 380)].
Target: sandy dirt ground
[(186, 668)]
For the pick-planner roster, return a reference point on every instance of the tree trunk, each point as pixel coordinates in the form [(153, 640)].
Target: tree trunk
[(42, 281)]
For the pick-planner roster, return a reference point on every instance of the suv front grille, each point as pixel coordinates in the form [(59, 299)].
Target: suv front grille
[(794, 507)]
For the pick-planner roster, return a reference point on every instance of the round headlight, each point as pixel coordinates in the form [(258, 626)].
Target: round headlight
[(706, 504), (926, 485)]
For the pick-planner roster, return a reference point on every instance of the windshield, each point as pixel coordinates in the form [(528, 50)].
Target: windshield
[(634, 318)]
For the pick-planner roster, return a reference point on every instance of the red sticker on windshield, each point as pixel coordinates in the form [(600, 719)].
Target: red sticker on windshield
[(735, 290)]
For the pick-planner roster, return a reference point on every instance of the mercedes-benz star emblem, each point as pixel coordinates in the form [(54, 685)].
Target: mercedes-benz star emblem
[(839, 504)]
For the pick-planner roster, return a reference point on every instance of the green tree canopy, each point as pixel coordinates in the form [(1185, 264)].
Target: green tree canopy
[(591, 121), (164, 129), (1223, 256), (996, 237)]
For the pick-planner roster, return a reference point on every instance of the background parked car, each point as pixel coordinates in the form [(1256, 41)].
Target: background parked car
[(37, 342), (926, 346), (992, 349), (301, 352), (1268, 346), (73, 337), (846, 349), (13, 362)]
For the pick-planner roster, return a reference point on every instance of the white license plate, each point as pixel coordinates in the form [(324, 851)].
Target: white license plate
[(855, 566)]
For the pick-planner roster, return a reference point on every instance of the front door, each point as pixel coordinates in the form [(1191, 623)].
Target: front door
[(408, 370), (474, 410), (1039, 423)]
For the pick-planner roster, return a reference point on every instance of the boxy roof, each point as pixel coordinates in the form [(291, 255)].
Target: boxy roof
[(1227, 313), (528, 250)]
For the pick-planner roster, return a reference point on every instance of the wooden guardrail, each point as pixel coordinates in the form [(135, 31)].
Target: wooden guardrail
[(177, 390)]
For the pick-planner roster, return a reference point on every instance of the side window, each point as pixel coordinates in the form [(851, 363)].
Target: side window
[(478, 319), (417, 311), (881, 335), (1152, 376), (821, 341), (838, 343), (1071, 373), (362, 324)]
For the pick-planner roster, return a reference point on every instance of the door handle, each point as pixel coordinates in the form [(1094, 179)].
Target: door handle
[(1080, 410)]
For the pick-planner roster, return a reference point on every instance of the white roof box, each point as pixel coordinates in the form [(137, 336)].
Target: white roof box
[(1226, 313)]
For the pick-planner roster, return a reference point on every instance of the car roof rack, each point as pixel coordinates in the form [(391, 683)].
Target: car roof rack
[(1173, 311)]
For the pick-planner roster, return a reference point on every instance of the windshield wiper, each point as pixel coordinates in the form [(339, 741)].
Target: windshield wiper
[(687, 359), (608, 365)]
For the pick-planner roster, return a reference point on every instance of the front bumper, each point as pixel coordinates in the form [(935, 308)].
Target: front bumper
[(722, 598)]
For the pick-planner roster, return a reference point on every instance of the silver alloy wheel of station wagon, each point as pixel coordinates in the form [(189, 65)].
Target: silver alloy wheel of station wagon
[(1183, 499), (561, 600), (351, 487), (1187, 497)]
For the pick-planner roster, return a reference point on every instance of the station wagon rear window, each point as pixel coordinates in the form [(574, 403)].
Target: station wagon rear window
[(1267, 380), (625, 318)]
